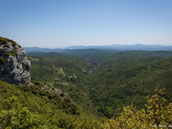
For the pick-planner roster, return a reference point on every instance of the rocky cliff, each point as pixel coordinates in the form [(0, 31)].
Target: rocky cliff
[(14, 64)]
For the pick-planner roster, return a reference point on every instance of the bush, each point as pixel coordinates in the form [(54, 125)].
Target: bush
[(17, 117), (157, 113), (2, 60)]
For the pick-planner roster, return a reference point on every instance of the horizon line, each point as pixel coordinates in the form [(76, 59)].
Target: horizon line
[(163, 45)]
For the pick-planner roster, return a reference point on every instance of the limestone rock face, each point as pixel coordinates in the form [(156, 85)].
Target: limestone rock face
[(14, 64)]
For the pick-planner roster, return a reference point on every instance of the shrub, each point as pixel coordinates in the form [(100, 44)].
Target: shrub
[(16, 116), (2, 60), (157, 113), (6, 45)]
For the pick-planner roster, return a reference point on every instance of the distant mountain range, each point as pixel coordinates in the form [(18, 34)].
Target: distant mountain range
[(38, 49), (106, 47)]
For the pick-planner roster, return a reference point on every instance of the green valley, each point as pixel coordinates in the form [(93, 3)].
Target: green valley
[(104, 81), (90, 89)]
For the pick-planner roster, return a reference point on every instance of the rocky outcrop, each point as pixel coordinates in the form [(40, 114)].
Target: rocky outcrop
[(14, 64)]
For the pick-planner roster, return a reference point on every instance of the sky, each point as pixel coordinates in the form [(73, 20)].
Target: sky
[(62, 23)]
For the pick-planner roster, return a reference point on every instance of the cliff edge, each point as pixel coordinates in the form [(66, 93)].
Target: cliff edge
[(14, 64)]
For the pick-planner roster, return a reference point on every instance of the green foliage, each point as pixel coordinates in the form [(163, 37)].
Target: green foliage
[(2, 60), (101, 85), (3, 41), (156, 115), (6, 45), (13, 44), (27, 107), (14, 53), (16, 116), (126, 81), (97, 82), (64, 72), (24, 107), (7, 54), (102, 81)]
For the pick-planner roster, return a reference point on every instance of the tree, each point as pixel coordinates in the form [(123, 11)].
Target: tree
[(15, 116), (157, 113)]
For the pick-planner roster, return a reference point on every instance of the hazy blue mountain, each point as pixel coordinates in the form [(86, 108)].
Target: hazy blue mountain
[(38, 49), (126, 47), (106, 47)]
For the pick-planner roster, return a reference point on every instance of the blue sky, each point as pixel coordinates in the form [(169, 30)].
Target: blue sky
[(61, 23)]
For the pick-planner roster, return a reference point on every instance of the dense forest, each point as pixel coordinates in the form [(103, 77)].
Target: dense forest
[(91, 88), (105, 80)]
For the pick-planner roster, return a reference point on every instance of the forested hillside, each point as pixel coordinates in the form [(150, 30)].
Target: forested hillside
[(91, 89), (103, 81)]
